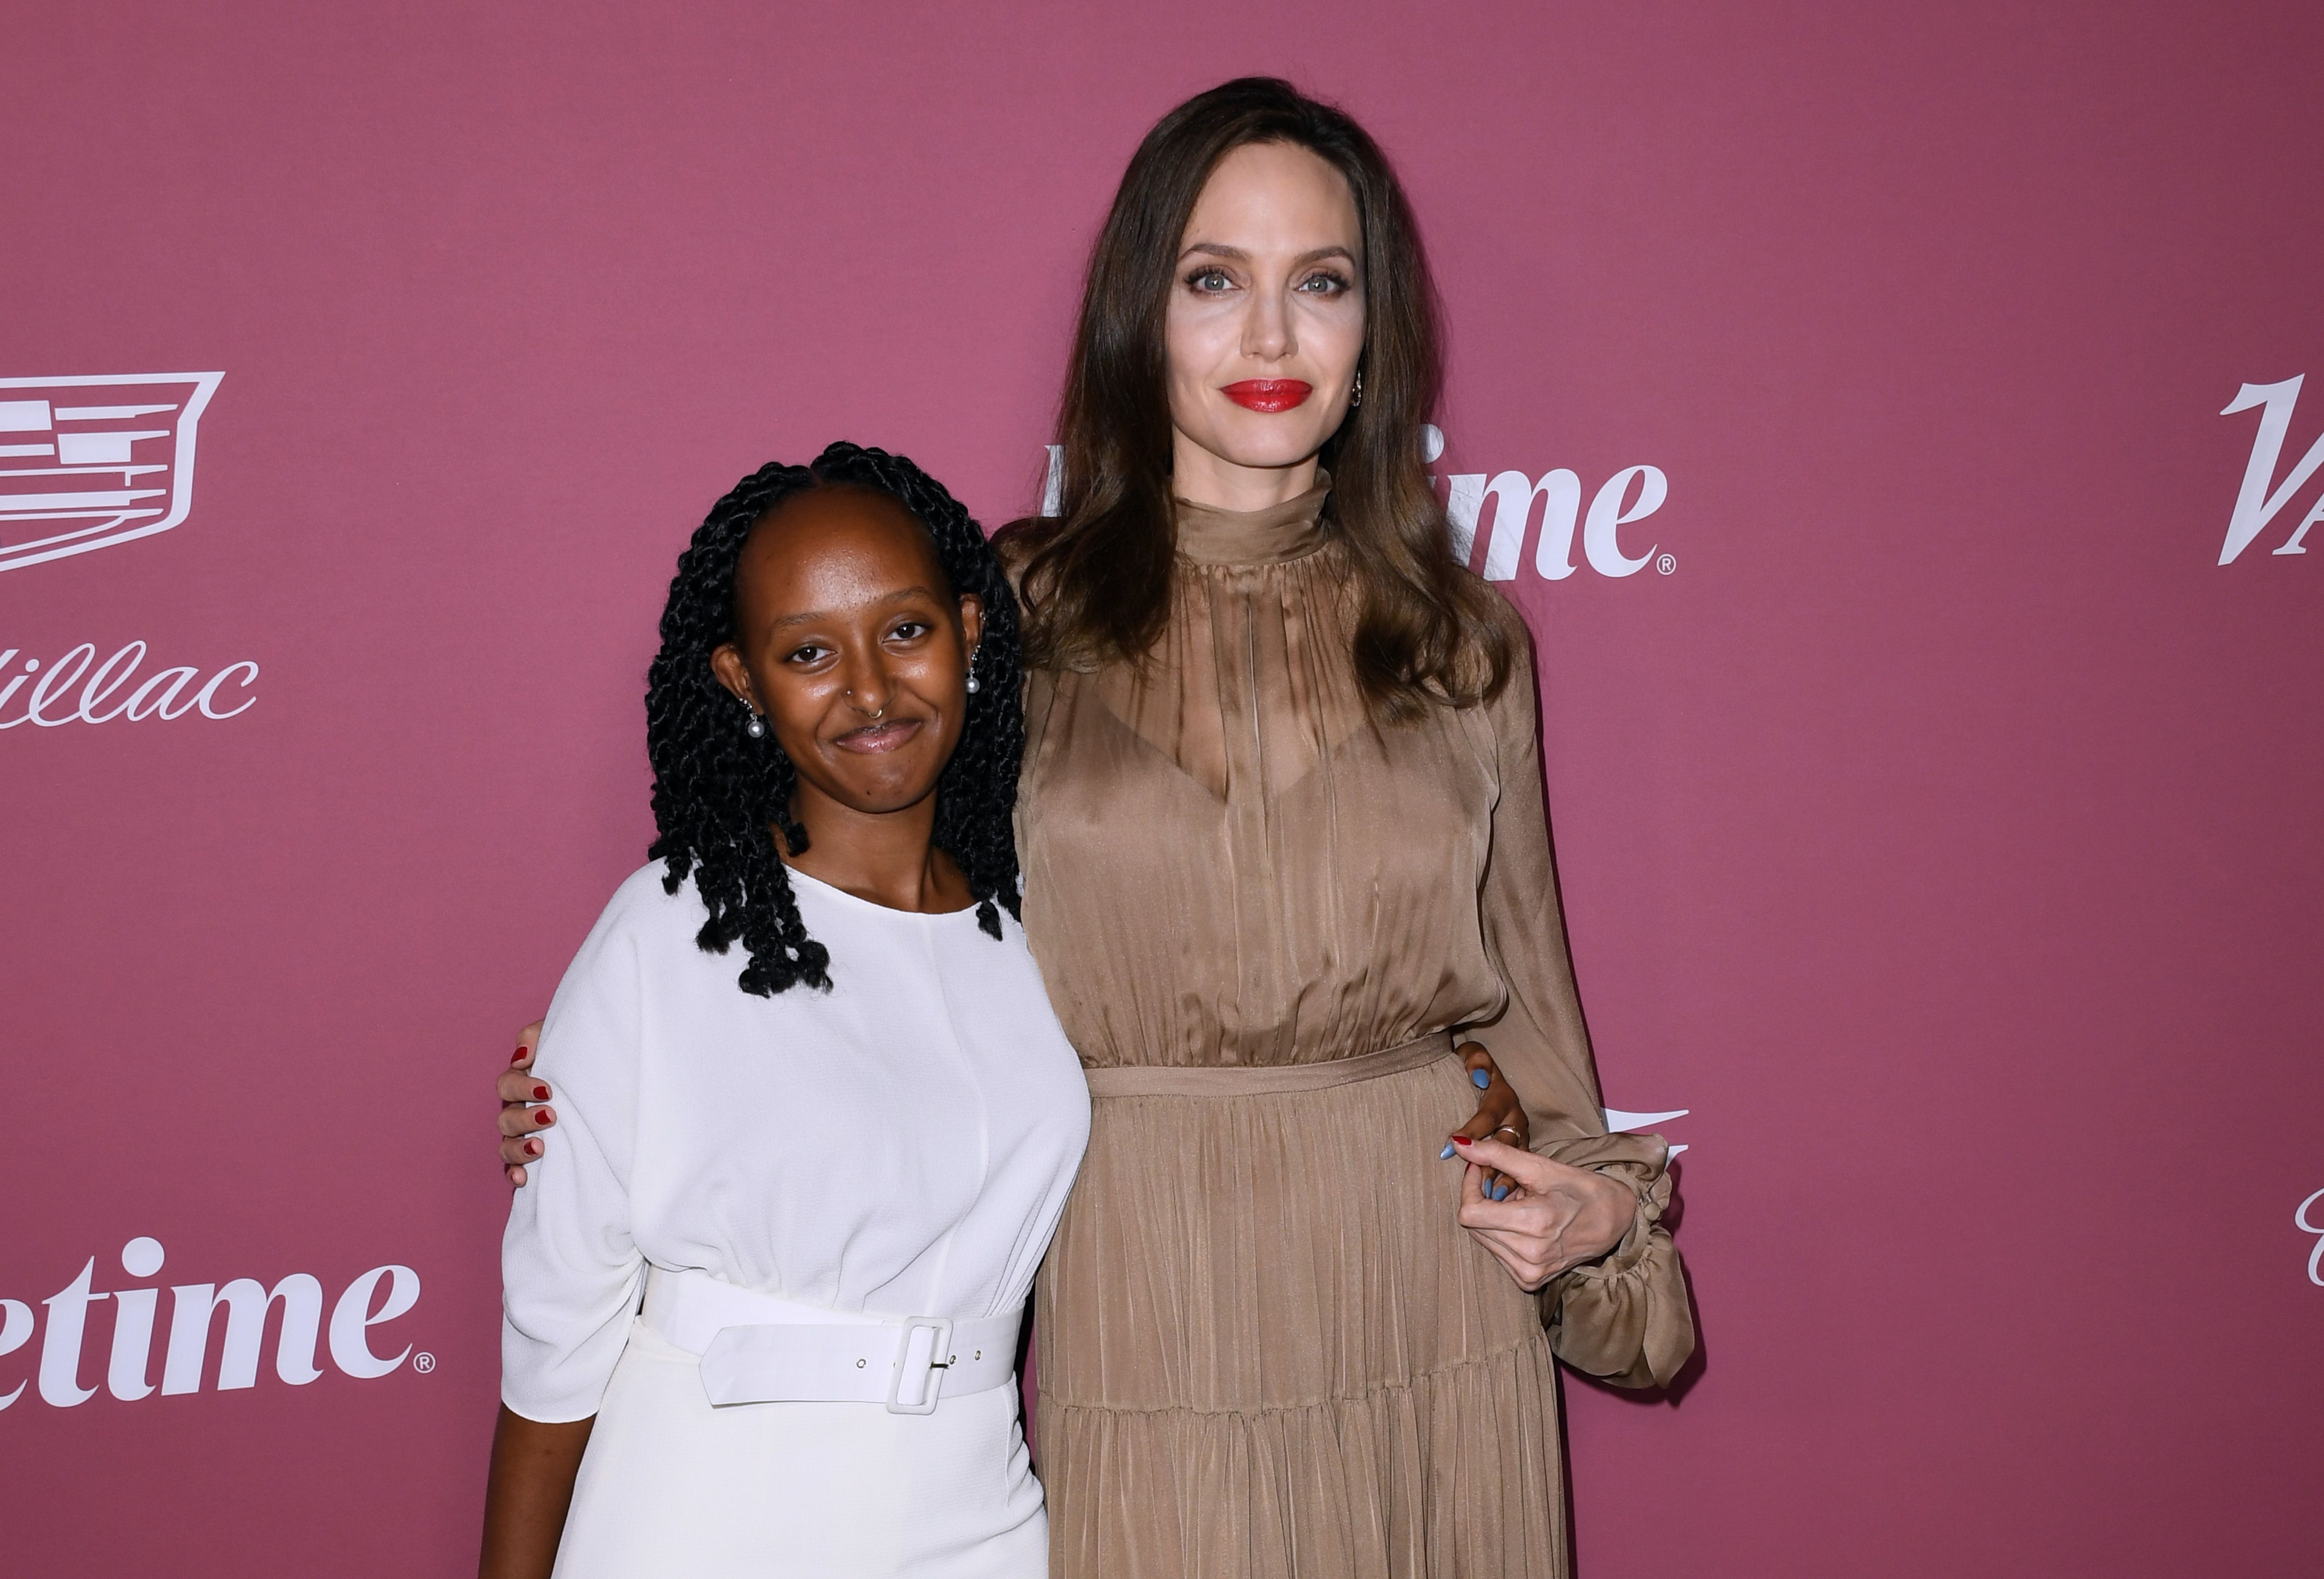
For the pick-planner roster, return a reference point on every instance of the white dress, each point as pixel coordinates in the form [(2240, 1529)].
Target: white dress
[(898, 1146)]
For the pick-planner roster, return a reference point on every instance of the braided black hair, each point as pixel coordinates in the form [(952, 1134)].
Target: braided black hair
[(718, 792)]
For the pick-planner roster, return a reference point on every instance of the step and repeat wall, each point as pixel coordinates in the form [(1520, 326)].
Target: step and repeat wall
[(1890, 419)]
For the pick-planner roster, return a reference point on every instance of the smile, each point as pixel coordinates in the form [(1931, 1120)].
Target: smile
[(877, 737), (1269, 394)]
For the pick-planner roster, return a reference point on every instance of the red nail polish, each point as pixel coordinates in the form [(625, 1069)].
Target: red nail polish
[(540, 1093), (532, 1148), (517, 1057)]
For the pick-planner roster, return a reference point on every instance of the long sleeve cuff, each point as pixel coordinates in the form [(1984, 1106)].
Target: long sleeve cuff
[(1624, 1320)]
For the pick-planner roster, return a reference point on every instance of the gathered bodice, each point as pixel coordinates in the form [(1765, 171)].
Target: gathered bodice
[(1228, 862)]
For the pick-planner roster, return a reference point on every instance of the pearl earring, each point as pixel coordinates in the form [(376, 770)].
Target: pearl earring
[(972, 687), (756, 727)]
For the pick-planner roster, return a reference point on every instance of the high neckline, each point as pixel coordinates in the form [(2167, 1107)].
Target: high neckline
[(1290, 531)]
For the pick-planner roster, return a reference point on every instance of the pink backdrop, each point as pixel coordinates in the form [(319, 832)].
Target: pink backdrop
[(1941, 827)]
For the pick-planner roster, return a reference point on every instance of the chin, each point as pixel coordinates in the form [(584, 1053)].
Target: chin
[(881, 800), (1259, 441)]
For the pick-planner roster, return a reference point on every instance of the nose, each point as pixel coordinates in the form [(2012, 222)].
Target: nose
[(869, 687), (1267, 328)]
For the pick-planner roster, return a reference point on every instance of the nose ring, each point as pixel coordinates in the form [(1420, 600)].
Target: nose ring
[(875, 715)]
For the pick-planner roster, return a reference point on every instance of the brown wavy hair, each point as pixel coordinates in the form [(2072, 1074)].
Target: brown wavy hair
[(1096, 576)]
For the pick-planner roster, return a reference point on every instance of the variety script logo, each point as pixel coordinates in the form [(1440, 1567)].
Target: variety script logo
[(194, 1309), (1513, 494), (87, 463), (2254, 505)]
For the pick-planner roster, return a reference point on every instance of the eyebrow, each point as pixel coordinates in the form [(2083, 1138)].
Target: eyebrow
[(1220, 250), (900, 595)]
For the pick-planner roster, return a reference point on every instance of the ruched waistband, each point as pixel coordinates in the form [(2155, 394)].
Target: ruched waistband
[(1268, 1079)]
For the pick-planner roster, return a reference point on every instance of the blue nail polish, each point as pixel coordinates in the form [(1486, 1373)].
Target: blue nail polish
[(1479, 1078), (1445, 1152), (1500, 1192)]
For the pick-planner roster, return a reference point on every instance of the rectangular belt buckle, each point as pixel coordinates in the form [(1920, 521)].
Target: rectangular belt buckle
[(939, 1358)]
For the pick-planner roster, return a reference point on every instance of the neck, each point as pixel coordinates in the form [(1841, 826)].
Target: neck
[(882, 857), (1200, 477)]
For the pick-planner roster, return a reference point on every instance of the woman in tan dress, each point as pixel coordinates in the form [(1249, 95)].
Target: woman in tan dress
[(1282, 832), (1281, 825), (1266, 1345)]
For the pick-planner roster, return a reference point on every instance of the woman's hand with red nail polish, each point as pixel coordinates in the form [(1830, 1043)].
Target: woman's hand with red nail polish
[(519, 1091)]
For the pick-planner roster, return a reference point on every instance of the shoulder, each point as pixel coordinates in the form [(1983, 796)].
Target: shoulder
[(1512, 714), (643, 913), (600, 1009), (644, 895), (1491, 620)]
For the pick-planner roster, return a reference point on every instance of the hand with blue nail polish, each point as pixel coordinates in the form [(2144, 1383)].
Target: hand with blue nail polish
[(1499, 1114)]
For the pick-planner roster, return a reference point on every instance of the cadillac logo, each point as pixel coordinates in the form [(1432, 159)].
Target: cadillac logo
[(87, 463)]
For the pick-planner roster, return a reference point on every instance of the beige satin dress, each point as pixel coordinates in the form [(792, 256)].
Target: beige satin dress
[(1266, 1347)]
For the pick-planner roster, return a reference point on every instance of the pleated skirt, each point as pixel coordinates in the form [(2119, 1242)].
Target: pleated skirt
[(671, 1485), (1267, 1349)]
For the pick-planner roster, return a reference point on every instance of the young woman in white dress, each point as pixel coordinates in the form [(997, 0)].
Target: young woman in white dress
[(762, 1307)]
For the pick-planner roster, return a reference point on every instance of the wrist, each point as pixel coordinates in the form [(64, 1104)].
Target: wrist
[(1618, 1207)]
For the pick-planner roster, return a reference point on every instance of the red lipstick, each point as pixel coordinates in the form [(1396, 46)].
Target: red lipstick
[(1269, 394)]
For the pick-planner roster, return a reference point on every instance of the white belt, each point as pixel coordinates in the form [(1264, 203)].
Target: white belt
[(759, 1349)]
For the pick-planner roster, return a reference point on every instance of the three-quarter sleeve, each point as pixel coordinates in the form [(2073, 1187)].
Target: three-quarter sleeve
[(570, 1271), (1624, 1318)]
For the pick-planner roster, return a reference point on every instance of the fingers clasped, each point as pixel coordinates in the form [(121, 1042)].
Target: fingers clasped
[(1561, 1217), (1499, 1116)]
